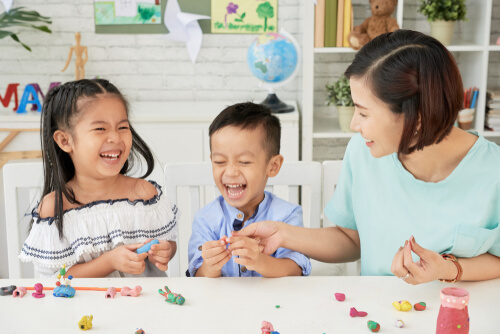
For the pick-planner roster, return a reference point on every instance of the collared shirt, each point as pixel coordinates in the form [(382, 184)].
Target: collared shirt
[(386, 204), (218, 219)]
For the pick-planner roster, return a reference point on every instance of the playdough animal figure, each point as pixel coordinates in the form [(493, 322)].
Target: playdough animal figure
[(172, 298), (85, 322)]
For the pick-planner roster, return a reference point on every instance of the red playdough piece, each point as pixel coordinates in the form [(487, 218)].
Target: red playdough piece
[(340, 296)]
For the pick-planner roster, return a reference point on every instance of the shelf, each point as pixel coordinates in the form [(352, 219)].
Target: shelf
[(334, 50), (329, 128), (494, 48), (491, 133)]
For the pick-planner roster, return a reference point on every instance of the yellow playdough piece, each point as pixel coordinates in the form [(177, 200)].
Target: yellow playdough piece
[(402, 305)]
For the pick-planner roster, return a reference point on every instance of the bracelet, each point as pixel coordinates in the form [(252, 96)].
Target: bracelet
[(452, 258)]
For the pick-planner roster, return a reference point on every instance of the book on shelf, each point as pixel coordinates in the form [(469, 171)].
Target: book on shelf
[(494, 112), (331, 7), (319, 24), (340, 23), (494, 105), (494, 93), (347, 22)]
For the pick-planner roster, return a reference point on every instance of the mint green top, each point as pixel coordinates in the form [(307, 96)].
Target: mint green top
[(380, 199)]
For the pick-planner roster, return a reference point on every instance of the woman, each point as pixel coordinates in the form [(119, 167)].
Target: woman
[(408, 175)]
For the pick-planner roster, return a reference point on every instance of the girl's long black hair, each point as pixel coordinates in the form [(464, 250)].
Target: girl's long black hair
[(58, 112)]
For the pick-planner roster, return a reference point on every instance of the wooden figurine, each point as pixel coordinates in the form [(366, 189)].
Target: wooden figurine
[(80, 61)]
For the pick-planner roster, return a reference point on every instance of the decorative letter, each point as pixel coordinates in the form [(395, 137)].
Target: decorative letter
[(11, 89), (25, 99)]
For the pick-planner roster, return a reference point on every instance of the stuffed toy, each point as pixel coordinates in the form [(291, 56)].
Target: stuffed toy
[(379, 23)]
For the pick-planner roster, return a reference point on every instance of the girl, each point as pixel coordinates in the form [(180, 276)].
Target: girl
[(92, 217)]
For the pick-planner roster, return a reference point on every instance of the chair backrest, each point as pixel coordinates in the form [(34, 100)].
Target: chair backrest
[(23, 182), (191, 186), (331, 174)]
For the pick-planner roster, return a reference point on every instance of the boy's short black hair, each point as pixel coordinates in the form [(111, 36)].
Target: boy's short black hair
[(248, 115)]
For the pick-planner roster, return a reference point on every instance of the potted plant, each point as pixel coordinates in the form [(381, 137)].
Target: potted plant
[(22, 18), (339, 94), (442, 16)]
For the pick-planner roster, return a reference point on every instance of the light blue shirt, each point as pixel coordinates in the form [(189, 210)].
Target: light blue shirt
[(218, 219), (386, 205)]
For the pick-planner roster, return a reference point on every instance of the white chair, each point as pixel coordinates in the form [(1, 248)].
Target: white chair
[(331, 174), (23, 181), (191, 186)]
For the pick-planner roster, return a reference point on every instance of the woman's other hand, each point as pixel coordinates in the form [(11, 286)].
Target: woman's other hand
[(430, 267)]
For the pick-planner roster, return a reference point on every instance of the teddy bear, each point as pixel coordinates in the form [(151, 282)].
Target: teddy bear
[(379, 23)]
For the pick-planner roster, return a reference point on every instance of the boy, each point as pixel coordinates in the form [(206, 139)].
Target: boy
[(244, 145)]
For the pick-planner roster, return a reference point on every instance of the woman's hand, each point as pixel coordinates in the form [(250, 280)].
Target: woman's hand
[(248, 250), (430, 267), (269, 232), (125, 259)]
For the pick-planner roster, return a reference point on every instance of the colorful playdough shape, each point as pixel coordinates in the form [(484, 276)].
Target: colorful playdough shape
[(7, 290), (373, 326), (402, 305), (355, 313), (38, 291), (172, 298), (110, 293), (340, 296), (85, 322), (126, 291), (20, 292), (420, 306), (399, 323), (145, 248)]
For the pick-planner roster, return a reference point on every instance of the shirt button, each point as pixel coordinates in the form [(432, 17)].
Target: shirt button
[(199, 248), (239, 215), (243, 269)]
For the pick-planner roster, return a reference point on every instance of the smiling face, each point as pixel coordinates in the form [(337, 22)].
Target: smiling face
[(379, 126), (241, 166), (100, 140)]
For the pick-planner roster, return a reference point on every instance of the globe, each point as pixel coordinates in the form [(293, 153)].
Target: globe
[(273, 58)]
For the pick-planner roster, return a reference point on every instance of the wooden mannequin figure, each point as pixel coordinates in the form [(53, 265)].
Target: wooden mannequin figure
[(80, 61)]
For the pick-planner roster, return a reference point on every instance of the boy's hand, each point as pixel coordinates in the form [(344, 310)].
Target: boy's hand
[(248, 250), (160, 254), (125, 259), (215, 255)]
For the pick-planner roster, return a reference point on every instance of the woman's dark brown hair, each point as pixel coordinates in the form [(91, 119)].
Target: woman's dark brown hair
[(415, 75)]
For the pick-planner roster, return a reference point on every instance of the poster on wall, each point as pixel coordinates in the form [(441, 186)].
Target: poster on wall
[(112, 12), (132, 24), (244, 16)]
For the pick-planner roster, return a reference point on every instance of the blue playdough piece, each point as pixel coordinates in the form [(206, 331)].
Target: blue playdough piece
[(147, 246)]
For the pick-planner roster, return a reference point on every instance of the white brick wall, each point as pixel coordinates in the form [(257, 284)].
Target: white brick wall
[(143, 67)]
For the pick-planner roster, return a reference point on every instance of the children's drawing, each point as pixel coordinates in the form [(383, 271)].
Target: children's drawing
[(244, 16), (112, 12)]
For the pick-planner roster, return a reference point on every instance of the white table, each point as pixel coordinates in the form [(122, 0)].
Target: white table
[(239, 305)]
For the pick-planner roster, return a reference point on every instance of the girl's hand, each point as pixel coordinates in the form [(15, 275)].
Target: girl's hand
[(125, 259), (160, 254), (430, 267), (248, 250), (269, 232), (215, 255)]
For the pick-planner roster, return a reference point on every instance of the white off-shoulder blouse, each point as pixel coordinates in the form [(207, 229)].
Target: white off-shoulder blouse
[(96, 228)]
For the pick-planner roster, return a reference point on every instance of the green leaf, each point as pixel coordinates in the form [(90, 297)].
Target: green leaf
[(14, 37), (19, 17)]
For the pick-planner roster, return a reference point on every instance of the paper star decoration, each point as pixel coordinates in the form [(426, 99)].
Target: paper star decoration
[(7, 4), (184, 27)]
